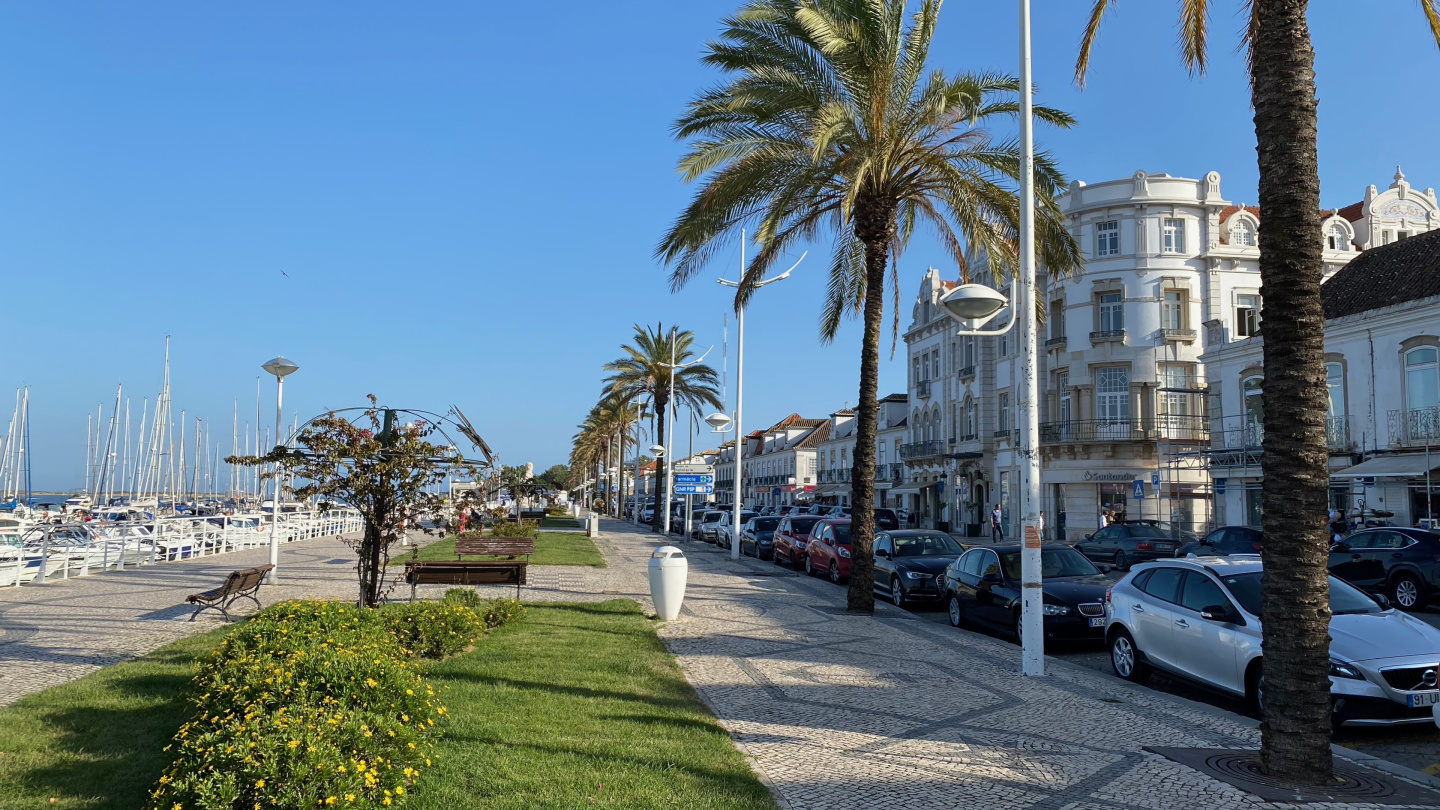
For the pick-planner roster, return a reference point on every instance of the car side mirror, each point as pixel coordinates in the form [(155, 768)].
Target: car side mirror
[(1381, 599), (1104, 569), (992, 578), (1341, 547), (1216, 613), (880, 552), (1089, 537)]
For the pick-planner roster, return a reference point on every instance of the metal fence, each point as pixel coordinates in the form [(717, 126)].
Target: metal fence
[(46, 552)]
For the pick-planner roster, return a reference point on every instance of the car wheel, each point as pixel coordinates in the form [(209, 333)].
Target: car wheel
[(957, 613), (897, 592), (809, 567), (835, 572), (1255, 690), (775, 558), (1121, 563), (1407, 592), (1125, 658)]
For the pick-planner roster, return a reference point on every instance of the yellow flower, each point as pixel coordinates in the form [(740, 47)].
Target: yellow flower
[(260, 783)]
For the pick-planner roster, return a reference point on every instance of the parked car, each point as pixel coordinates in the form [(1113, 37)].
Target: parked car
[(886, 519), (1126, 543), (647, 513), (792, 536), (982, 589), (757, 537), (829, 549), (909, 563), (1403, 564), (818, 509), (704, 528), (791, 509), (1178, 533), (1198, 619), (725, 532), (838, 511), (1225, 541)]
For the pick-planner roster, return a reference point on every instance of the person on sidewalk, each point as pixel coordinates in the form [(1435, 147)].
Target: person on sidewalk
[(996, 534)]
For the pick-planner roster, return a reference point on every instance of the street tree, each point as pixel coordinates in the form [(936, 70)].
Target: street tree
[(829, 121), (388, 472), (644, 372)]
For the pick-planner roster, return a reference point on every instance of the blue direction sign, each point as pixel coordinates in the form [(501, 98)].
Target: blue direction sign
[(694, 479), (694, 489)]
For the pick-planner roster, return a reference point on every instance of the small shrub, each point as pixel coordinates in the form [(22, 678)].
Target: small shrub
[(434, 629), (503, 611), (470, 534), (467, 597), (511, 528)]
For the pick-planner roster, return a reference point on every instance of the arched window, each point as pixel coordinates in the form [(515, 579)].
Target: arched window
[(1335, 389), (969, 419), (1422, 379), (1336, 238), (1253, 401), (1242, 232)]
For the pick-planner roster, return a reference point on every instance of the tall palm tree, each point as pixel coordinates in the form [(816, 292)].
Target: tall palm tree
[(1295, 731), (645, 372), (830, 121)]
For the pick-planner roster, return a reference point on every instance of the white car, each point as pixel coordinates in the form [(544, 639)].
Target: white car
[(705, 526), (724, 532), (1198, 618)]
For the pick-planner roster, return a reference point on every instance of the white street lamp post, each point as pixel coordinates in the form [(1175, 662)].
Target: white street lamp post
[(281, 368), (670, 435), (740, 392)]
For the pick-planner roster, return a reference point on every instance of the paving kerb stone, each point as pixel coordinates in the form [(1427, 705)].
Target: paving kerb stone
[(1079, 768)]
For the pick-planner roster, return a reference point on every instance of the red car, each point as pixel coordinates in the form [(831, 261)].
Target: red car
[(829, 549), (791, 538)]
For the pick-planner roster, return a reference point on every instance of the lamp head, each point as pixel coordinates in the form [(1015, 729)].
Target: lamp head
[(657, 449), (969, 302), (280, 367), (719, 421)]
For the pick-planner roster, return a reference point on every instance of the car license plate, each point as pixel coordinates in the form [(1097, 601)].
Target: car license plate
[(1422, 699), (1097, 622), (1164, 546)]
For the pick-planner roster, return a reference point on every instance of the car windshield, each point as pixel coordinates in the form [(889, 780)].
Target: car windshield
[(1345, 599), (711, 517), (927, 545), (842, 534), (766, 524), (1054, 562), (803, 525), (746, 517)]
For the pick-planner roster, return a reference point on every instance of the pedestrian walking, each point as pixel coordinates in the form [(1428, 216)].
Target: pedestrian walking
[(996, 534)]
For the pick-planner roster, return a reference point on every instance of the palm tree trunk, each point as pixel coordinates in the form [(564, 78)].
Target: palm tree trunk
[(1295, 731), (661, 496), (874, 225)]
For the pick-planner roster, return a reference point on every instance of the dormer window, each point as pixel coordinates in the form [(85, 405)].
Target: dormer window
[(1336, 238), (1243, 233)]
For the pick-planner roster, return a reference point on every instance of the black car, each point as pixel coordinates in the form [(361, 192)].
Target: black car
[(885, 518), (757, 538), (909, 563), (1225, 541), (982, 589), (1126, 543), (1403, 564)]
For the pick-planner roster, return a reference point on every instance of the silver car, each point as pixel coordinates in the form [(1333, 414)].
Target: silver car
[(1198, 619)]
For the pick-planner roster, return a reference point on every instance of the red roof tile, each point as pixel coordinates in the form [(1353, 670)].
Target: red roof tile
[(1351, 212)]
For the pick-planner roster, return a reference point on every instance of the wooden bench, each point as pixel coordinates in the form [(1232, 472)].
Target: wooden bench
[(476, 572), (242, 584)]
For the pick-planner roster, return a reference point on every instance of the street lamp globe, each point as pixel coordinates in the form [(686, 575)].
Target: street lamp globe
[(719, 421), (657, 449), (969, 302), (280, 367)]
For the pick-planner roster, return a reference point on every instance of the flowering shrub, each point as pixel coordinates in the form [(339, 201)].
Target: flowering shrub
[(434, 629), (312, 704), (502, 611), (511, 528)]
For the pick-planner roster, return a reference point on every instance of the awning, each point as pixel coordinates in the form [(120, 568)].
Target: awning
[(910, 489), (823, 489), (1407, 466)]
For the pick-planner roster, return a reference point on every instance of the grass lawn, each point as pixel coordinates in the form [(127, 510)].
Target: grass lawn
[(96, 742), (551, 522), (580, 705), (551, 548)]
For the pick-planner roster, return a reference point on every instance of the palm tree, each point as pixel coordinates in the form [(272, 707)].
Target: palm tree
[(1295, 730), (603, 436), (645, 371), (830, 120)]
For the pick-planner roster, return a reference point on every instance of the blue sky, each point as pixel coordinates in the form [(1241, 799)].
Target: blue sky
[(466, 196)]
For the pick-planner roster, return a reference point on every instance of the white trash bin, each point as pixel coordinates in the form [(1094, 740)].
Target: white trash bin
[(668, 570)]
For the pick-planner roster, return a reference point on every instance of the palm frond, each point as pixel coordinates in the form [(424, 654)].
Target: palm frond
[(1087, 42)]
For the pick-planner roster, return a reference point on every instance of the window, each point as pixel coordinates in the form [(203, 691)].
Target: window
[(1107, 238), (1005, 345), (1201, 592), (1422, 384), (1164, 584), (969, 352), (1172, 236), (1174, 394), (1336, 238), (1173, 311), (1252, 396), (1112, 312), (1112, 401), (916, 375), (1004, 411), (969, 418), (1057, 319), (926, 368), (1062, 382), (1402, 235), (1243, 233), (1247, 315), (1386, 237), (1335, 388)]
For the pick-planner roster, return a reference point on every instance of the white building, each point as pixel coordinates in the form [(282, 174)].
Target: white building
[(1382, 370), (778, 464), (833, 459), (1123, 384)]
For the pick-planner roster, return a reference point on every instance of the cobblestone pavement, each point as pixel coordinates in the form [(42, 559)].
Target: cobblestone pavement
[(837, 711)]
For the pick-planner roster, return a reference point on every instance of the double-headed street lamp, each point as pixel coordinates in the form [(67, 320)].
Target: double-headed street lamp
[(281, 368), (971, 302), (740, 391)]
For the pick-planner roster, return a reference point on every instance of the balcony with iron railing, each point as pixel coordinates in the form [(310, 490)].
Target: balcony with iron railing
[(1179, 335), (967, 372), (1059, 341), (1173, 427), (1415, 427), (922, 389), (921, 450), (1108, 336), (1008, 434), (835, 476)]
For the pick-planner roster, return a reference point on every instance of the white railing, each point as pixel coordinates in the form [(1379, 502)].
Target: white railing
[(45, 553)]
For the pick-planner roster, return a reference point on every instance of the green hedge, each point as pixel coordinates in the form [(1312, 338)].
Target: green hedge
[(316, 704)]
